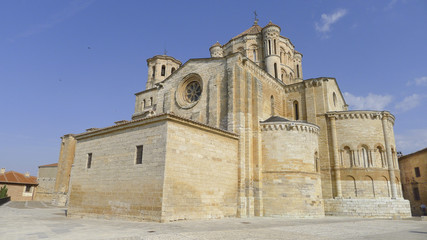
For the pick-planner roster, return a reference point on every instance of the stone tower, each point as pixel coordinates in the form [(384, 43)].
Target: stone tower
[(159, 68), (216, 50), (270, 35)]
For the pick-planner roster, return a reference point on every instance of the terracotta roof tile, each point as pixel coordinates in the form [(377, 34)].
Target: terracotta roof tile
[(16, 177), (255, 29), (49, 165)]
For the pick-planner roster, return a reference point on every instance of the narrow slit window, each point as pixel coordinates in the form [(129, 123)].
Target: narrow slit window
[(154, 71), (416, 194), (417, 172), (296, 112), (297, 71), (89, 160), (172, 70), (139, 152), (163, 70)]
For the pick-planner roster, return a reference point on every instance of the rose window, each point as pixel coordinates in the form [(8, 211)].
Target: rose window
[(193, 91)]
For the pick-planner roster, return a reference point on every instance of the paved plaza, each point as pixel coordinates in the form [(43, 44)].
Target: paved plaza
[(39, 220)]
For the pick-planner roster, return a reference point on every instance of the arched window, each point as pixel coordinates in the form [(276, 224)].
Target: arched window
[(275, 70), (151, 101), (163, 70), (297, 71), (380, 157), (154, 71), (254, 53), (334, 98), (172, 70), (296, 110), (269, 47), (272, 105), (347, 159), (143, 104)]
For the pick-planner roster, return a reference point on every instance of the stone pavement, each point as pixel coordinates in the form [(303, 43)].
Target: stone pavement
[(39, 220)]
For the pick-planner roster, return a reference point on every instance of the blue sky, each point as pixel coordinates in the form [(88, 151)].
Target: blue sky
[(66, 66)]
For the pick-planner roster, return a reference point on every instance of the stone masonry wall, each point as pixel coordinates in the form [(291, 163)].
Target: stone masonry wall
[(114, 185), (200, 175), (384, 208), (291, 181)]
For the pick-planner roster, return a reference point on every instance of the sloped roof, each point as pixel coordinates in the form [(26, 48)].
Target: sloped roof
[(272, 24), (50, 165), (276, 119), (17, 178), (255, 29)]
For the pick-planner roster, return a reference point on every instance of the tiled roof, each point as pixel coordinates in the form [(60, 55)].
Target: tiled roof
[(16, 177), (271, 24), (50, 165), (255, 29), (216, 44), (276, 119)]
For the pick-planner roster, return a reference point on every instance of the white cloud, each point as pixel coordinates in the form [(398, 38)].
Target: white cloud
[(421, 81), (409, 102), (370, 102), (72, 9), (326, 21), (390, 5), (411, 140)]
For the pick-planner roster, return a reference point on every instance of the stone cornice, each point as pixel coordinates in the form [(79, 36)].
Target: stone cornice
[(153, 119), (290, 126), (361, 114), (313, 82)]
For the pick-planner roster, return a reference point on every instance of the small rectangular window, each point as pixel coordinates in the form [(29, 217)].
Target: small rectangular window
[(416, 193), (28, 188), (89, 160), (417, 172), (139, 151)]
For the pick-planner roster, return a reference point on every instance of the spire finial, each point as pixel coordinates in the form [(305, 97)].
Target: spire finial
[(255, 18)]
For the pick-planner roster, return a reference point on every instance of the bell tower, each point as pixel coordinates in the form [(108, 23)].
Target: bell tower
[(159, 68), (270, 35)]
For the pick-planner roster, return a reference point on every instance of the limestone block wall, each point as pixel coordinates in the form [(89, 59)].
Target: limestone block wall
[(378, 208), (362, 155), (291, 178), (65, 161), (201, 173), (46, 179), (115, 185)]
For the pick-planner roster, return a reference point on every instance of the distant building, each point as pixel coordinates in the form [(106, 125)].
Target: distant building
[(46, 178), (413, 172), (21, 187)]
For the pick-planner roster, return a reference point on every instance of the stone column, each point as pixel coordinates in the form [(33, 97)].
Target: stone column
[(384, 118), (336, 160)]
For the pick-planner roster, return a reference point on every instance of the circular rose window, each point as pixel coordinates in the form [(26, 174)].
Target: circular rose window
[(189, 91), (193, 90)]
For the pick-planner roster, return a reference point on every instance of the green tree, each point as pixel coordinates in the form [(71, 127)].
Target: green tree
[(3, 192)]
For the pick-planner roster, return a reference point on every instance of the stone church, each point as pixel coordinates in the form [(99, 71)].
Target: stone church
[(239, 134)]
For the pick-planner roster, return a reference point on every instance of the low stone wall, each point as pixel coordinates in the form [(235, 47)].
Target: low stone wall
[(382, 208)]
